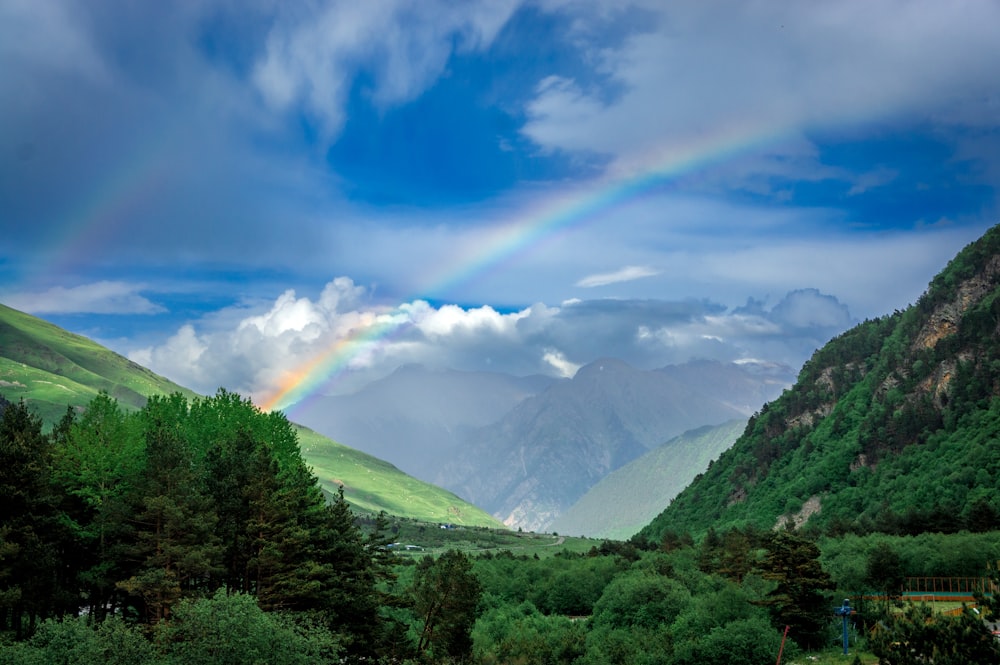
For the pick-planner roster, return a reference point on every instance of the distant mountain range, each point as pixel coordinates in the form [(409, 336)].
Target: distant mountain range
[(527, 448), (52, 369), (893, 426), (550, 449), (419, 417)]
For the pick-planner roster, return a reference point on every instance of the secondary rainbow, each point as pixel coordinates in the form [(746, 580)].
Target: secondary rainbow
[(510, 240), (89, 221)]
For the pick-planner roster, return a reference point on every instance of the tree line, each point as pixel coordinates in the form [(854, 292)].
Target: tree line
[(194, 532), (151, 518)]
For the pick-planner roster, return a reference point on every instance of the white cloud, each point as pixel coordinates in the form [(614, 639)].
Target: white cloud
[(294, 340), (106, 297), (761, 70), (558, 361), (626, 274), (313, 57)]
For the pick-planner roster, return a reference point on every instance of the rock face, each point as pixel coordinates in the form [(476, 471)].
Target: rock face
[(540, 458)]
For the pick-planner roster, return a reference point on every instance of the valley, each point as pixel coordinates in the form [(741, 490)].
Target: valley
[(876, 468)]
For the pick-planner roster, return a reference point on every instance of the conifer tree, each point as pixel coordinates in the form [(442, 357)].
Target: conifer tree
[(233, 466), (797, 600), (30, 528), (98, 458), (176, 546)]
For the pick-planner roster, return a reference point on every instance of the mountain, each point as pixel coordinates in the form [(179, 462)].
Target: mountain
[(627, 499), (418, 417), (51, 369), (893, 426), (551, 448)]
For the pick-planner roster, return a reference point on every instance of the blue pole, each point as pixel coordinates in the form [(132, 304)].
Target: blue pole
[(844, 612)]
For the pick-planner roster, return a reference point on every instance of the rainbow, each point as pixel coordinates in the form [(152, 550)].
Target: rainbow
[(90, 220), (308, 377), (529, 230)]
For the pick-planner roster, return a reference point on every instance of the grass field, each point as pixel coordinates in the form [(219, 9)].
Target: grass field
[(431, 539), (371, 484)]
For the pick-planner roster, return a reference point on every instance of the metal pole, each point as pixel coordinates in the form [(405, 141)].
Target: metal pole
[(845, 611), (845, 634)]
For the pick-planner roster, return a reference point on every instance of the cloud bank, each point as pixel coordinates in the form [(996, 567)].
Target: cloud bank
[(253, 353)]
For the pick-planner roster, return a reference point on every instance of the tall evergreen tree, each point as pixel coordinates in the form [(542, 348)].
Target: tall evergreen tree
[(797, 600), (98, 458), (445, 598), (176, 546), (233, 466), (30, 526)]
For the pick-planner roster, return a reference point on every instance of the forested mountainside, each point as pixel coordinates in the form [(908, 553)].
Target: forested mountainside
[(893, 426)]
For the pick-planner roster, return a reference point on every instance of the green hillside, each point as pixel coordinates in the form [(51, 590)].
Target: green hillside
[(893, 426), (625, 500), (51, 369)]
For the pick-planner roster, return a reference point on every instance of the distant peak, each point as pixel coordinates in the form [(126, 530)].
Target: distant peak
[(604, 365)]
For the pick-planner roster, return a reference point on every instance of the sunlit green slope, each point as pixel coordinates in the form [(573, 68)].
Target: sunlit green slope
[(51, 368)]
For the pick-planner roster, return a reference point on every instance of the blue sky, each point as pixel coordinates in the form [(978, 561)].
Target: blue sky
[(225, 191)]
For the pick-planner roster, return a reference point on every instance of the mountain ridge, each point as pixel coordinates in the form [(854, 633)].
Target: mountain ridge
[(628, 498), (551, 448), (892, 426)]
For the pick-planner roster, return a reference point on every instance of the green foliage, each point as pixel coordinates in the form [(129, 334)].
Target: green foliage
[(233, 630), (445, 597), (742, 641), (511, 633), (72, 641), (918, 636), (641, 599), (797, 599), (926, 555), (627, 646)]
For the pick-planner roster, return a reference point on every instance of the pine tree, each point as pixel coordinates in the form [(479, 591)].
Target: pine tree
[(445, 597), (232, 467), (797, 600), (176, 545), (98, 458), (30, 526)]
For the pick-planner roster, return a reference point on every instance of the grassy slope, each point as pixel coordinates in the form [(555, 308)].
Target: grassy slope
[(51, 369), (371, 485), (626, 500)]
